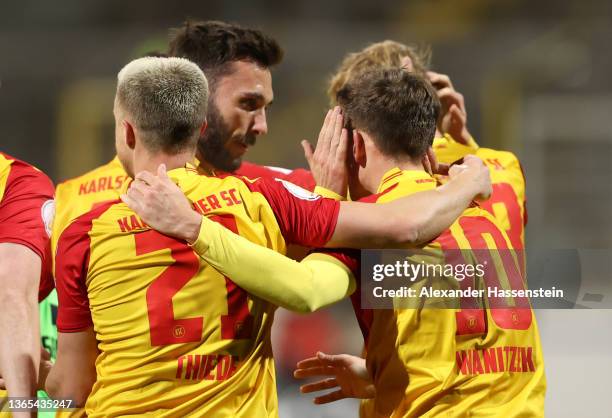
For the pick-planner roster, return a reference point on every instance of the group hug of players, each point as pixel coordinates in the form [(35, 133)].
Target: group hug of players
[(169, 261)]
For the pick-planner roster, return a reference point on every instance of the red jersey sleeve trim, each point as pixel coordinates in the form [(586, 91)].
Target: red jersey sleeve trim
[(26, 213), (71, 268), (304, 218)]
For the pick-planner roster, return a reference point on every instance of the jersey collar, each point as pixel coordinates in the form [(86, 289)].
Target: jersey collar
[(395, 175)]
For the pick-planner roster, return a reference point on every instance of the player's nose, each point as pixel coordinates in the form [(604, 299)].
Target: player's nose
[(260, 124)]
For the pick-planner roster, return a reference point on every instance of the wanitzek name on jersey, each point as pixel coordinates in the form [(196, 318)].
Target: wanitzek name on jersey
[(496, 360)]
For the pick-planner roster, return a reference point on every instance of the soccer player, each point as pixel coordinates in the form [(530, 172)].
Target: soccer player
[(128, 321), (460, 346), (237, 62), (482, 360), (26, 213), (452, 140)]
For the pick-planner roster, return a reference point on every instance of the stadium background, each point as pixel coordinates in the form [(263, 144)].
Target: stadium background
[(536, 77)]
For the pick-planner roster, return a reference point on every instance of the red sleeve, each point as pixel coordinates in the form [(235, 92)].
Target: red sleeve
[(303, 217), (71, 266), (300, 176), (26, 214)]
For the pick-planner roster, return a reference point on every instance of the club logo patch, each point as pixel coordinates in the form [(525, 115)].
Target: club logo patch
[(47, 213)]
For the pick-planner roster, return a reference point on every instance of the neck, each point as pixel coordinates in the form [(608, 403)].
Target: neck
[(205, 167), (150, 162), (384, 164)]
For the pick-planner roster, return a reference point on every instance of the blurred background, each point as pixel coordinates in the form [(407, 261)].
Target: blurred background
[(535, 75)]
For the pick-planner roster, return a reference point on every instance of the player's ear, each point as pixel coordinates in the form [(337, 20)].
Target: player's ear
[(359, 153), (129, 134)]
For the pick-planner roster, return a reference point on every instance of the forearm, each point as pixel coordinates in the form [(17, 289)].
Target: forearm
[(19, 345), (315, 282), (74, 372), (409, 221), (433, 213), (66, 384)]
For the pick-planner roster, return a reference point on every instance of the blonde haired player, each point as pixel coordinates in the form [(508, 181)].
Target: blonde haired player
[(128, 319), (453, 140)]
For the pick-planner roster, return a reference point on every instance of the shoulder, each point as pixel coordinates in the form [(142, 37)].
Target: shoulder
[(253, 170), (82, 225), (29, 177), (492, 157), (112, 168)]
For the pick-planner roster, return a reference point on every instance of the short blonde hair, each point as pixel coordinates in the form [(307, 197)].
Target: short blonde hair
[(380, 55), (167, 100)]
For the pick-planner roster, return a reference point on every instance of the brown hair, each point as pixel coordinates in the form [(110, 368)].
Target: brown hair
[(214, 45), (385, 54), (398, 109)]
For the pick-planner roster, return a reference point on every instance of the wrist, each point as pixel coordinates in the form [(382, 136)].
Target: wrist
[(191, 227), (43, 373)]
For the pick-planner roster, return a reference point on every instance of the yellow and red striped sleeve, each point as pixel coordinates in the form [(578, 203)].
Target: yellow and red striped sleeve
[(71, 266)]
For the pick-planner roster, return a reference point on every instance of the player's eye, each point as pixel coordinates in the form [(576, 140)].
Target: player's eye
[(249, 104)]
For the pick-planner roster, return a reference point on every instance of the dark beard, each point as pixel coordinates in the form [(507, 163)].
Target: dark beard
[(211, 145)]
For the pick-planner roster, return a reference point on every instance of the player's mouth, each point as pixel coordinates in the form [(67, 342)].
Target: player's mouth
[(242, 144), (238, 148)]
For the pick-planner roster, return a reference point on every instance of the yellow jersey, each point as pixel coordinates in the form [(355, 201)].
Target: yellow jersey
[(79, 195), (508, 201), (483, 360), (176, 338)]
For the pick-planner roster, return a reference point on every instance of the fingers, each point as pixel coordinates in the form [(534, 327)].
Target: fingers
[(44, 354), (455, 169), (427, 165), (458, 116), (138, 190), (308, 151), (328, 137), (439, 80), (443, 169), (323, 141), (330, 397), (334, 360), (472, 160), (162, 173), (309, 362), (433, 161), (320, 385), (132, 203), (448, 96), (146, 178), (406, 64), (342, 147), (314, 371), (337, 132)]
